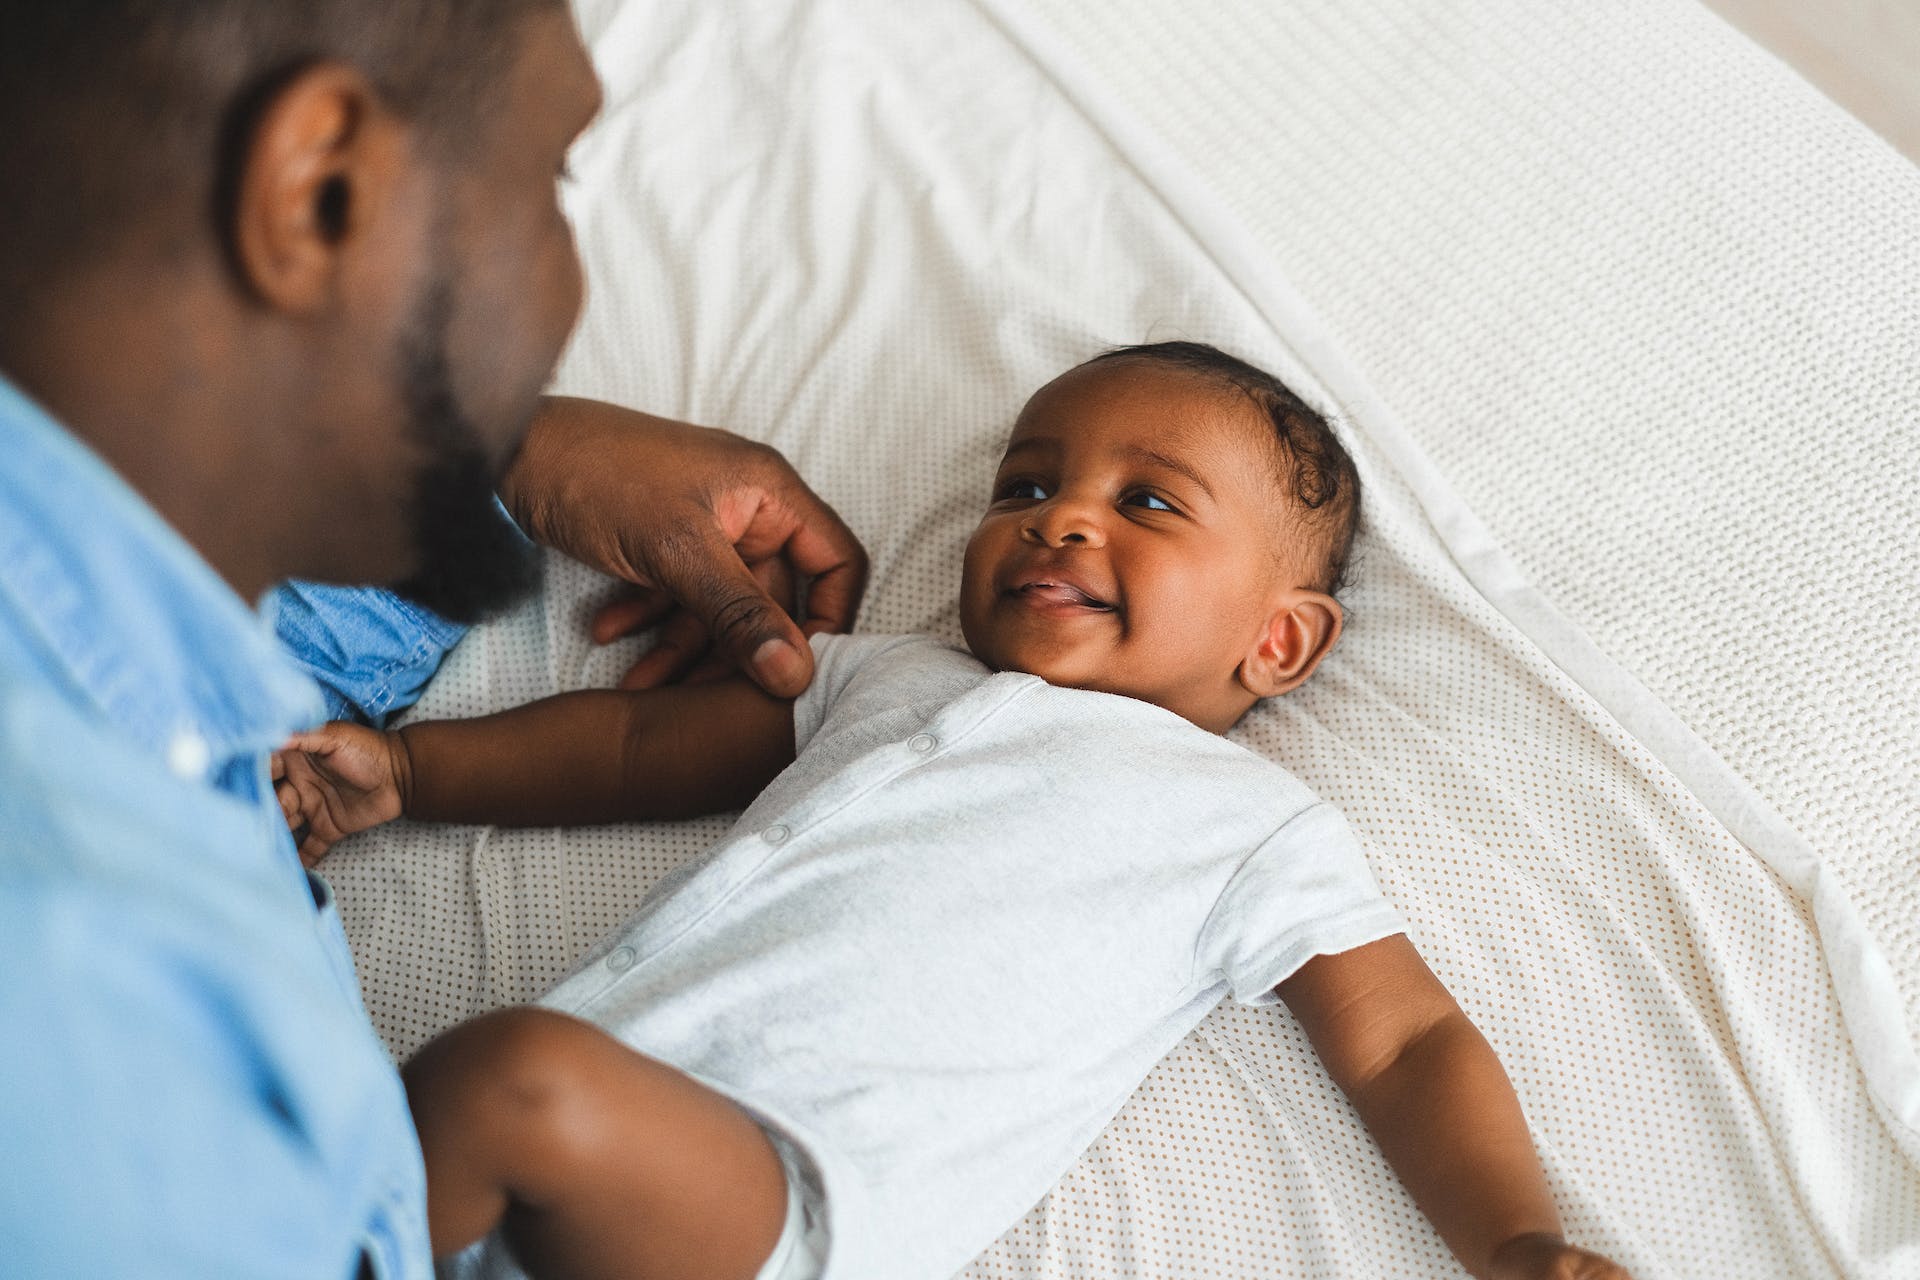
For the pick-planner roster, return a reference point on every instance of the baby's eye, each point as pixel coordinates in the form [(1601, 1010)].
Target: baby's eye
[(1151, 501), (1021, 491)]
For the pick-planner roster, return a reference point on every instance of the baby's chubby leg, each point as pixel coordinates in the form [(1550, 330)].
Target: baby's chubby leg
[(595, 1160)]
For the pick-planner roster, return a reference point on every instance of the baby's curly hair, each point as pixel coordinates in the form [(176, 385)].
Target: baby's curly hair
[(1321, 475)]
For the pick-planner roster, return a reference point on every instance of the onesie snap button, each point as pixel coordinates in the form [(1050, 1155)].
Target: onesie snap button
[(922, 742), (776, 833), (621, 959)]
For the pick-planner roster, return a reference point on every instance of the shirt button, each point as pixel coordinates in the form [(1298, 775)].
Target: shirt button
[(621, 959), (188, 756), (923, 742), (776, 833)]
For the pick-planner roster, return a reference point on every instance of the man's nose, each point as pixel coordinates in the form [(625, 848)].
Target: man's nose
[(1061, 522)]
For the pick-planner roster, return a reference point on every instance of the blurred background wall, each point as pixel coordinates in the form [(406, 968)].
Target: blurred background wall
[(1864, 54)]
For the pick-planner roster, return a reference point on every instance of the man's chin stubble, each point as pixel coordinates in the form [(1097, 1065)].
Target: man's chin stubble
[(472, 561)]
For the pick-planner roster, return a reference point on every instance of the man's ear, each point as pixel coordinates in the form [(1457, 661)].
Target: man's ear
[(1300, 632), (321, 159)]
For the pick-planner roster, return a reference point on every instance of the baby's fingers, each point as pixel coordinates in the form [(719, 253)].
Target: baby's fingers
[(289, 799), (312, 850), (1544, 1256), (314, 742)]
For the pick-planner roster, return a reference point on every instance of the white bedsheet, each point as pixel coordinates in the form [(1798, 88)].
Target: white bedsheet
[(864, 232)]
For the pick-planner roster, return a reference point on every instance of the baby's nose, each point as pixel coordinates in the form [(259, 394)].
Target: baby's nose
[(1062, 523)]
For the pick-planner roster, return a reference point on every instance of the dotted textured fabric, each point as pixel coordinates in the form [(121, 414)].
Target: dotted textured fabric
[(864, 232), (1653, 306)]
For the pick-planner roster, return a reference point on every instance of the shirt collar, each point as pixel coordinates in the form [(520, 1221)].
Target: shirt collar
[(127, 612)]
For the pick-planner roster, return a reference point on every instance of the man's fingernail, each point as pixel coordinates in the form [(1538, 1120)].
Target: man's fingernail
[(778, 664)]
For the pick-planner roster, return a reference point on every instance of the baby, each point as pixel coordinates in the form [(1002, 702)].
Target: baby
[(974, 897)]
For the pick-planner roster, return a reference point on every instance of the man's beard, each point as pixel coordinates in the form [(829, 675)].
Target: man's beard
[(471, 562)]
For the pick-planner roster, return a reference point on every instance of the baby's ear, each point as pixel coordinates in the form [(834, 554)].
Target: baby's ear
[(1300, 633)]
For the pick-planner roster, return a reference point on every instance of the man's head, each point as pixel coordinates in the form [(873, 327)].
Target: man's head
[(1168, 523), (298, 270)]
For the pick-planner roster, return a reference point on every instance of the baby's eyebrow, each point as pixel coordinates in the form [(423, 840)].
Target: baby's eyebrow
[(1175, 465), (1045, 444)]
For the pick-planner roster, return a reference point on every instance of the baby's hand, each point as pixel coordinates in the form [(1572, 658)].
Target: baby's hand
[(338, 779), (1547, 1257)]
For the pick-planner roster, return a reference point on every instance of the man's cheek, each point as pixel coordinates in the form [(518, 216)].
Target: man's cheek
[(503, 350), (572, 290)]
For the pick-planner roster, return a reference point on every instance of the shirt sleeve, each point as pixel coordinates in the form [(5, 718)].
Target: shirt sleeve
[(1306, 892), (370, 651)]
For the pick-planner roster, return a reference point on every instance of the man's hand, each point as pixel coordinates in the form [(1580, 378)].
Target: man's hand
[(699, 519), (1548, 1257), (336, 780)]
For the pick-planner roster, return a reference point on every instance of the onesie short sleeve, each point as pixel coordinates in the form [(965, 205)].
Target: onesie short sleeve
[(1306, 892), (835, 660), (901, 668)]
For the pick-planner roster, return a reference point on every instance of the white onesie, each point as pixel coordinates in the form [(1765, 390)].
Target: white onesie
[(945, 945)]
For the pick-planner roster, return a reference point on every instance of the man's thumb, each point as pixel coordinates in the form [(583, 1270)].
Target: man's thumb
[(749, 627), (779, 666)]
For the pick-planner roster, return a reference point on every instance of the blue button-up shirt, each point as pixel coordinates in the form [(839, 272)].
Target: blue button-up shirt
[(188, 1083)]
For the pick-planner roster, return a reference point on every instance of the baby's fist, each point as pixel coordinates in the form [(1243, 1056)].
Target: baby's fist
[(1548, 1257), (336, 780)]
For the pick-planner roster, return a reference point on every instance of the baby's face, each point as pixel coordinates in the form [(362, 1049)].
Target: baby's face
[(1132, 543)]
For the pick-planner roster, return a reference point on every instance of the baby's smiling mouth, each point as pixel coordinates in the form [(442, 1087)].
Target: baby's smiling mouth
[(1060, 594)]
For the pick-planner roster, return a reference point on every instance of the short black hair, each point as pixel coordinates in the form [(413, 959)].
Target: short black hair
[(1320, 474), (115, 112)]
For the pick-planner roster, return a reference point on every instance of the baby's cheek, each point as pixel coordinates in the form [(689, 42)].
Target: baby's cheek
[(985, 548), (975, 597)]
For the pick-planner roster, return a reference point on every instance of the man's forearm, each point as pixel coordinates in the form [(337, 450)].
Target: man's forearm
[(1445, 1115)]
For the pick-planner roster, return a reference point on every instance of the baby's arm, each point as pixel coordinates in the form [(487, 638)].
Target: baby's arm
[(1436, 1100), (598, 755)]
